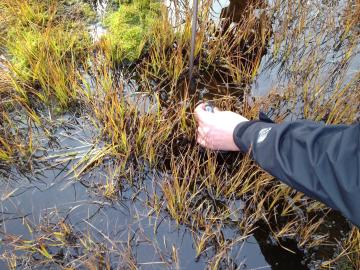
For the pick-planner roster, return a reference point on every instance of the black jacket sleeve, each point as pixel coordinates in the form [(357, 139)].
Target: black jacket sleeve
[(321, 161)]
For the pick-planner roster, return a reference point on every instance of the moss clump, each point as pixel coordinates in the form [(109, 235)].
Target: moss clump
[(129, 28)]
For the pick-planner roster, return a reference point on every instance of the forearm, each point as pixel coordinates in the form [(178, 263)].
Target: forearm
[(321, 161)]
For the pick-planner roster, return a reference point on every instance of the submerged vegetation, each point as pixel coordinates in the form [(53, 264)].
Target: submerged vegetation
[(144, 154)]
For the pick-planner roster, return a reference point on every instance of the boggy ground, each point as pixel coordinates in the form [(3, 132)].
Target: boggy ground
[(98, 158)]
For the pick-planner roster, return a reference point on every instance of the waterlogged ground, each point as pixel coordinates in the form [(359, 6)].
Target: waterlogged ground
[(35, 202), (70, 205)]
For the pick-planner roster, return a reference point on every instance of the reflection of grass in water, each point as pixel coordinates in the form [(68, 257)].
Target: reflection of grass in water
[(197, 188)]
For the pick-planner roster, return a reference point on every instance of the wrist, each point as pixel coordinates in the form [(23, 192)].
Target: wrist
[(245, 133)]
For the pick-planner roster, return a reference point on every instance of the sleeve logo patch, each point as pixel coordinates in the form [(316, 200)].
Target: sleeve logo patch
[(263, 134)]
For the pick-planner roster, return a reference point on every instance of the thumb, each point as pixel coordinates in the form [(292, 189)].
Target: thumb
[(200, 113)]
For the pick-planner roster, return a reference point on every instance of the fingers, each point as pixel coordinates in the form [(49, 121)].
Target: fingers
[(201, 141), (200, 134), (200, 106), (201, 115), (204, 142), (199, 112), (204, 120), (203, 137)]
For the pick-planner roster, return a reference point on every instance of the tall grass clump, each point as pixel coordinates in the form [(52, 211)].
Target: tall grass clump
[(200, 189), (45, 42), (14, 142), (5, 147), (226, 52)]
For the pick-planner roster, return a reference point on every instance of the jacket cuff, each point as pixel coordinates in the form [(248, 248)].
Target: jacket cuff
[(246, 133)]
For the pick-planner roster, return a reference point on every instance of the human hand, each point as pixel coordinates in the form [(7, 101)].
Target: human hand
[(215, 129)]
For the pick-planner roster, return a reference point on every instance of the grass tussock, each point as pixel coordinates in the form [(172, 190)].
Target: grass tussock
[(199, 188), (14, 142), (45, 44), (230, 52)]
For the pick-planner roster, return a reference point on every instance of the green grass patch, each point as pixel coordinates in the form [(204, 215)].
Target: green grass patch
[(46, 41)]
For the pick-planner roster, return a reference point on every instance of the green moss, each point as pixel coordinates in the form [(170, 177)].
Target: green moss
[(129, 28), (21, 46)]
